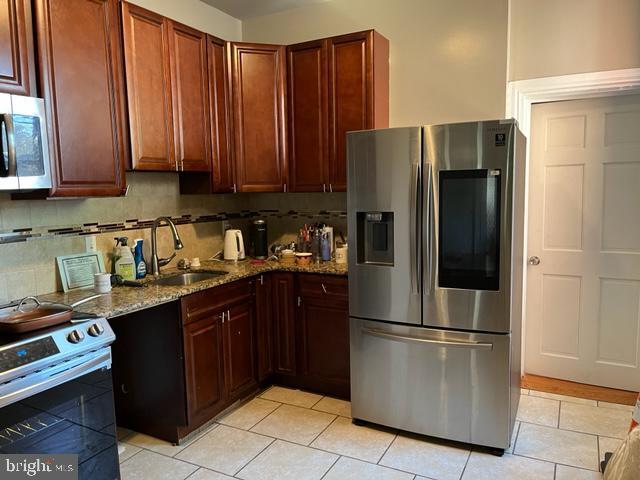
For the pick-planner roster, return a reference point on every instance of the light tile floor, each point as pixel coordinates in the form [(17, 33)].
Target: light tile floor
[(289, 434)]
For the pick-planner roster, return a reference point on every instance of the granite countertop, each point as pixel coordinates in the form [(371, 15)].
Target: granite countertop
[(123, 300)]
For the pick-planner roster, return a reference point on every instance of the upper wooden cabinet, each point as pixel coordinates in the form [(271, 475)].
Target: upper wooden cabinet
[(168, 91), (190, 94), (148, 89), (17, 70), (358, 94), (335, 85), (79, 50), (222, 171), (308, 104), (257, 87)]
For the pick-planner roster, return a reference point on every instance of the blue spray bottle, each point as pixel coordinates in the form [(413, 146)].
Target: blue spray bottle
[(138, 258)]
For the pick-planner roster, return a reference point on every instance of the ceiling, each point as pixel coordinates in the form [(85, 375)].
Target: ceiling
[(254, 8)]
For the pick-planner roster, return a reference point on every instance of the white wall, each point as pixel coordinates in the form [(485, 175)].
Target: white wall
[(198, 15), (560, 37), (448, 58)]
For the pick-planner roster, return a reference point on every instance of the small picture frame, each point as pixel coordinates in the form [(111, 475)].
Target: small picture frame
[(77, 271)]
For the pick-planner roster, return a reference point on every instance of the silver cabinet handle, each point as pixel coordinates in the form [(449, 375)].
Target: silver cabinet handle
[(534, 260), (414, 198), (324, 289), (432, 341), (324, 188), (331, 188)]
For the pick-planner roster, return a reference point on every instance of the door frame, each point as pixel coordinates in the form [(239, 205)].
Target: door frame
[(520, 97)]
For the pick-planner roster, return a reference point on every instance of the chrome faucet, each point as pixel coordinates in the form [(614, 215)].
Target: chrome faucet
[(156, 262)]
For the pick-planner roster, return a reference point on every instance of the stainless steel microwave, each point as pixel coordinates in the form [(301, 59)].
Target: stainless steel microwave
[(24, 146)]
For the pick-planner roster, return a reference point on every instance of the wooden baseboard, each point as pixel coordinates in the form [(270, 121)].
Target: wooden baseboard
[(581, 390)]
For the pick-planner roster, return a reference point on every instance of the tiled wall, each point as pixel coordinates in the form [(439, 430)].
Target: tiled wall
[(51, 227)]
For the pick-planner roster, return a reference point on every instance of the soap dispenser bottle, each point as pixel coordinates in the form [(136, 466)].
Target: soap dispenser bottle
[(125, 264), (138, 258)]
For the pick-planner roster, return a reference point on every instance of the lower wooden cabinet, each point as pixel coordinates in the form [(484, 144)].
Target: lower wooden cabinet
[(239, 350), (322, 322), (200, 354), (204, 367)]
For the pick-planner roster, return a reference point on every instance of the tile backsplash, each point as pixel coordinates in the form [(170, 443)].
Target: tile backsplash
[(34, 232)]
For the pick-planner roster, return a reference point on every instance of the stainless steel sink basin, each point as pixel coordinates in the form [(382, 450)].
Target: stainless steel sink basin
[(183, 279)]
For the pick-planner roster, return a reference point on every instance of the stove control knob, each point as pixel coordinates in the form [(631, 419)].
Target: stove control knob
[(76, 336), (95, 330)]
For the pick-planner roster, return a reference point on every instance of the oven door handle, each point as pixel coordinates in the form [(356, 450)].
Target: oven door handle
[(99, 361), (431, 341)]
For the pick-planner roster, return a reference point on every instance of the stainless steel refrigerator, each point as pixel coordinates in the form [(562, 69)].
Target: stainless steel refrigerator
[(435, 217)]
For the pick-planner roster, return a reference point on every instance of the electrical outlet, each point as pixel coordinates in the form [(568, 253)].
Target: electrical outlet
[(225, 226)]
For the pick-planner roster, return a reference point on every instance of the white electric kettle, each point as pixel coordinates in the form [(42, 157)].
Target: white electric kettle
[(233, 245)]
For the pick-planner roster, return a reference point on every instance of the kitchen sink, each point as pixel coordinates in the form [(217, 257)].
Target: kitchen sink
[(183, 279)]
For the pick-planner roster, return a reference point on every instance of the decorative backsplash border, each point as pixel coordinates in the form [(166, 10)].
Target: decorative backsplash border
[(25, 234)]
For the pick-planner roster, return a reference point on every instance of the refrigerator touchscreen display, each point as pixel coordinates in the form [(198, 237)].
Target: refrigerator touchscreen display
[(469, 230)]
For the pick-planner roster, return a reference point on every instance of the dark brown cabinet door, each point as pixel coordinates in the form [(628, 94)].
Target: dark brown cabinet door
[(82, 83), (257, 74), (358, 62), (190, 95), (203, 364), (239, 349), (148, 88), (16, 54), (324, 343), (264, 326), (307, 93), (284, 333), (222, 166)]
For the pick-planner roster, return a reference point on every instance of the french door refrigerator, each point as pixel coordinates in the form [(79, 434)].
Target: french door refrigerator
[(435, 217)]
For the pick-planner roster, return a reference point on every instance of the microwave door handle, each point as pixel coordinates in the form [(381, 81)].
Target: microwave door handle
[(414, 219), (4, 165), (11, 145)]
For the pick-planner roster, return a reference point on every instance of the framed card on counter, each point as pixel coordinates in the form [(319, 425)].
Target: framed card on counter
[(77, 271)]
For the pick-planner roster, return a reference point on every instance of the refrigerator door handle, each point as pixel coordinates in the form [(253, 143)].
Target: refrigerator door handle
[(428, 238), (413, 228), (431, 341)]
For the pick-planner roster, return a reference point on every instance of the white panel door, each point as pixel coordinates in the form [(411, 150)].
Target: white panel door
[(583, 297)]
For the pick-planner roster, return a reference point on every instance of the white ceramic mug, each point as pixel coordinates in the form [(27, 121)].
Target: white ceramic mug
[(341, 255), (102, 282)]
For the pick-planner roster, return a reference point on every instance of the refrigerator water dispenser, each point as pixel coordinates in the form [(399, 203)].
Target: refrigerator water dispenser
[(375, 238)]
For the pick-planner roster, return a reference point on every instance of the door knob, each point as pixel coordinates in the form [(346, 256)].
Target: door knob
[(534, 260)]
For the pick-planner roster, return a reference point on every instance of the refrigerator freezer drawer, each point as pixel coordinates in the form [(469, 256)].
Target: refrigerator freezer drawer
[(445, 384)]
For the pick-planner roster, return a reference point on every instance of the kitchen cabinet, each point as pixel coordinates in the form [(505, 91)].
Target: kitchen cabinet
[(335, 85), (323, 334), (307, 93), (190, 95), (204, 365), (264, 327), (81, 80), (358, 94), (239, 358), (168, 92), (222, 171), (284, 326), (17, 66), (148, 89), (222, 176), (258, 104)]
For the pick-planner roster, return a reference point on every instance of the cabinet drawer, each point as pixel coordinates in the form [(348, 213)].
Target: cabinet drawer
[(201, 304), (328, 286)]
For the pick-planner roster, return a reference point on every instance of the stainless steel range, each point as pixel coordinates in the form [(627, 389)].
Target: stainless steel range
[(56, 395), (435, 270)]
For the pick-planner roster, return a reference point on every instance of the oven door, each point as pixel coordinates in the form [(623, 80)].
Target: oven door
[(73, 412)]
